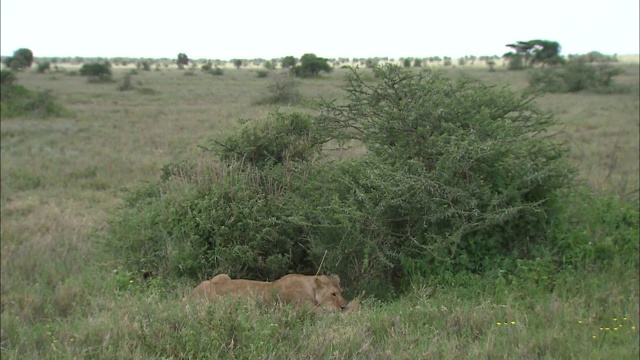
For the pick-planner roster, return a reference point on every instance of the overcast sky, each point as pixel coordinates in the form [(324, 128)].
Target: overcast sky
[(329, 28)]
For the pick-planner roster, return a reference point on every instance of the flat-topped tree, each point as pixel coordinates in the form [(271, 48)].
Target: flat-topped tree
[(533, 52), (311, 65)]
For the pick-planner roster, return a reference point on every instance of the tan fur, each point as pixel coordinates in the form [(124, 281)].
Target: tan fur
[(295, 289)]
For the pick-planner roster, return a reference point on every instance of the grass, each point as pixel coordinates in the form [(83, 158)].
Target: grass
[(63, 297)]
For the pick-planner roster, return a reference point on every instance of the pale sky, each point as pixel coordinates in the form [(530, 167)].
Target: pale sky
[(268, 29)]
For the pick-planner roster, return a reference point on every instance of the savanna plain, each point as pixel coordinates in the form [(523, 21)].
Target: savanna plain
[(63, 295)]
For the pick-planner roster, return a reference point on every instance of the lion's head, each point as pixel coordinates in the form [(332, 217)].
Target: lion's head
[(328, 292)]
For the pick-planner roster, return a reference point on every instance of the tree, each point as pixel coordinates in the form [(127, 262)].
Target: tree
[(43, 67), (534, 52), (21, 59), (371, 62), (237, 63), (183, 60), (311, 65), (97, 71)]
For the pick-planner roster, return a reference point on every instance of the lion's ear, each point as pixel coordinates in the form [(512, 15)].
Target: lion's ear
[(317, 282), (336, 278)]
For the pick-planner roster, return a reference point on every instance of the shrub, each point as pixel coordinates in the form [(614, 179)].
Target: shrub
[(371, 62), (282, 90), (144, 65), (281, 138), (217, 71), (547, 80), (207, 67), (596, 230), (126, 84), (576, 76), (238, 63), (516, 62), (43, 67), (457, 178), (239, 221), (466, 178), (262, 73), (16, 100), (97, 72), (7, 77)]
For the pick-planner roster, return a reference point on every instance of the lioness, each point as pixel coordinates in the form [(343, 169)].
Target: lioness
[(293, 289)]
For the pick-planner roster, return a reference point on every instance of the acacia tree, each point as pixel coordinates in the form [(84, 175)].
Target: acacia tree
[(311, 65), (533, 52), (21, 59), (289, 62), (183, 60), (97, 71)]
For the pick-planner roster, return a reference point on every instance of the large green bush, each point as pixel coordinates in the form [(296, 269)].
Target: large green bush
[(458, 177)]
